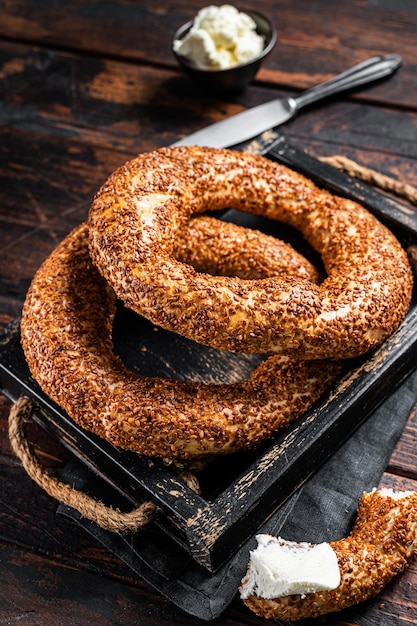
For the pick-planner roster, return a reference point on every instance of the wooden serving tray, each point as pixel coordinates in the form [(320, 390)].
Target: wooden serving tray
[(240, 492)]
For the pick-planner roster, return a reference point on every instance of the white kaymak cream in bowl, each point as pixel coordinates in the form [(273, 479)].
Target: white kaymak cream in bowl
[(224, 47)]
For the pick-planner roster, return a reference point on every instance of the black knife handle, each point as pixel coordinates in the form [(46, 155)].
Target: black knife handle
[(363, 73)]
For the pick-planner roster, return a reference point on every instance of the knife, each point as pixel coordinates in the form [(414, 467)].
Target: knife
[(255, 121)]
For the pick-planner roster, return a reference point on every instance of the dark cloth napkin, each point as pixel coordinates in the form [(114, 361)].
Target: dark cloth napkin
[(322, 510)]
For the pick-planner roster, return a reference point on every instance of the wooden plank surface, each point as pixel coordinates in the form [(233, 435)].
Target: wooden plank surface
[(315, 39), (83, 87), (136, 108)]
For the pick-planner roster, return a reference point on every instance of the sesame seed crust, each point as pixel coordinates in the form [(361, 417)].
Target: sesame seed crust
[(135, 225), (382, 543), (66, 333), (226, 249)]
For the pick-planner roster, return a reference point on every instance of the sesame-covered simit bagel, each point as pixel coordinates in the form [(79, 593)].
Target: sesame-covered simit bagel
[(67, 339), (139, 212), (382, 544)]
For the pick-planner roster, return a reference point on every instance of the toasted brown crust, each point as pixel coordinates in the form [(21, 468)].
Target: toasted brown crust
[(226, 249), (382, 543), (140, 211), (67, 339)]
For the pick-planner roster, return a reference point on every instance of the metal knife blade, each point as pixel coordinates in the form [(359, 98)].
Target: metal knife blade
[(255, 121)]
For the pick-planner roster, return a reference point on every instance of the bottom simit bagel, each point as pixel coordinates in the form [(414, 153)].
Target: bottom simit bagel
[(67, 339)]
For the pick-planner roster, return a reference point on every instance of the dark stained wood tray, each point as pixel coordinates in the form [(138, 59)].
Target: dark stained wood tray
[(240, 492)]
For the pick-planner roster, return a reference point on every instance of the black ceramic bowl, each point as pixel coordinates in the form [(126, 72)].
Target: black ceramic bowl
[(235, 78)]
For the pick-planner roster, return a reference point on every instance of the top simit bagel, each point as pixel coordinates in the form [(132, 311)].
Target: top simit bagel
[(136, 216)]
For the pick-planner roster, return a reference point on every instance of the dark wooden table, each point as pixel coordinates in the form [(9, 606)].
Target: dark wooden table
[(84, 86)]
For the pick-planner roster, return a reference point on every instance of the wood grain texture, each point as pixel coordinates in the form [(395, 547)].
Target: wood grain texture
[(315, 39), (128, 107)]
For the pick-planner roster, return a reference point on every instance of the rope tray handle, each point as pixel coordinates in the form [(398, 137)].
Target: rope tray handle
[(106, 517)]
